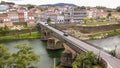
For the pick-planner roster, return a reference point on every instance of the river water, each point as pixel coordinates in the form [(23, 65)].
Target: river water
[(46, 62), (38, 46), (108, 44)]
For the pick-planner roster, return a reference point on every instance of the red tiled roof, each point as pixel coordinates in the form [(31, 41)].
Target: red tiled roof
[(52, 13), (39, 12), (30, 14), (13, 12)]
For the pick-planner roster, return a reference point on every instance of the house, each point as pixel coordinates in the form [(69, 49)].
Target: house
[(31, 19), (21, 16), (52, 16), (5, 20), (13, 15), (98, 13), (40, 15), (3, 9)]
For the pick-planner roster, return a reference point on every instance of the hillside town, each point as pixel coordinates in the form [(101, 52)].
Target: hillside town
[(11, 13), (59, 35)]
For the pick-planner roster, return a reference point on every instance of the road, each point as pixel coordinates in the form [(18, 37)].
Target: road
[(111, 61)]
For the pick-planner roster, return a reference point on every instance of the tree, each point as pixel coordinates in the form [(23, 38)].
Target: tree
[(4, 30), (4, 55), (25, 57), (102, 19), (92, 19), (3, 2), (118, 9), (109, 14), (48, 20), (85, 20), (30, 6), (100, 7), (86, 60)]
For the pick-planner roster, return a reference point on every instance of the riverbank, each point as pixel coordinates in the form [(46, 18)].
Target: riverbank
[(33, 35), (104, 34)]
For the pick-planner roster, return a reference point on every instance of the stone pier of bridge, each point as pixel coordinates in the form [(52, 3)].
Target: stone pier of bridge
[(53, 43)]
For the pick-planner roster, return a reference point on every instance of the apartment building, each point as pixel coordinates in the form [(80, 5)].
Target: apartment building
[(75, 15), (13, 15)]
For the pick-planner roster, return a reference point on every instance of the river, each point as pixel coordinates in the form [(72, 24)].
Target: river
[(108, 44), (38, 46)]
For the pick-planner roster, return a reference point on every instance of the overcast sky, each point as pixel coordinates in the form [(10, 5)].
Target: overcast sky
[(107, 3)]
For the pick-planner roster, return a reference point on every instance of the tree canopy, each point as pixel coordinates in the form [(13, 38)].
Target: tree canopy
[(85, 60), (48, 20), (118, 9), (30, 6), (24, 58)]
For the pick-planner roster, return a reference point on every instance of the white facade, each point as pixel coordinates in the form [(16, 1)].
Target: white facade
[(73, 15), (14, 17), (3, 9), (60, 19), (26, 16)]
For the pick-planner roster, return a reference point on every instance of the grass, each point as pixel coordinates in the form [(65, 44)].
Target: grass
[(21, 36), (97, 23), (97, 66), (105, 34)]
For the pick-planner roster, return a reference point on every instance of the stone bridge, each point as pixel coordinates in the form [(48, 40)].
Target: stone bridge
[(55, 42), (73, 46)]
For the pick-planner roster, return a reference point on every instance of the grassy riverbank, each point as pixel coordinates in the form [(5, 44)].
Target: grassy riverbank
[(104, 34), (33, 35), (97, 23)]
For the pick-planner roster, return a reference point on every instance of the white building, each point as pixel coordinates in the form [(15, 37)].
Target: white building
[(3, 9), (75, 15), (60, 19)]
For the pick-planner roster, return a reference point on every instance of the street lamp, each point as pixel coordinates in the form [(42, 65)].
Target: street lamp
[(115, 50), (54, 63), (99, 56)]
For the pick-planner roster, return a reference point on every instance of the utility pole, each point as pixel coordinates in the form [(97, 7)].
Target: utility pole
[(115, 49), (99, 57), (54, 63)]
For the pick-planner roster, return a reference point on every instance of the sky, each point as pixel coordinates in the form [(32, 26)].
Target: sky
[(106, 3)]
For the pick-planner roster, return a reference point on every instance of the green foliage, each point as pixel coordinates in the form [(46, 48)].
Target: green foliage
[(4, 30), (109, 14), (118, 9), (3, 2), (21, 36), (100, 7), (30, 6), (102, 19), (4, 55), (48, 20), (110, 33), (97, 23), (85, 59), (25, 56), (92, 19), (85, 20)]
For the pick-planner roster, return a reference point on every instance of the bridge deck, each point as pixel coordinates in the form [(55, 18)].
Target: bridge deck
[(110, 60)]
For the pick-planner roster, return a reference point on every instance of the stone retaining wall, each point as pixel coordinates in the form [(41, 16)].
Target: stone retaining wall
[(88, 29)]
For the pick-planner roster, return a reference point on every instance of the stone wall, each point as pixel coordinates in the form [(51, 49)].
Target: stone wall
[(95, 29), (87, 29)]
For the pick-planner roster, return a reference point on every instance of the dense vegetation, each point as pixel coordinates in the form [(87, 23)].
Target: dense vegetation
[(23, 58), (105, 34), (85, 60)]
